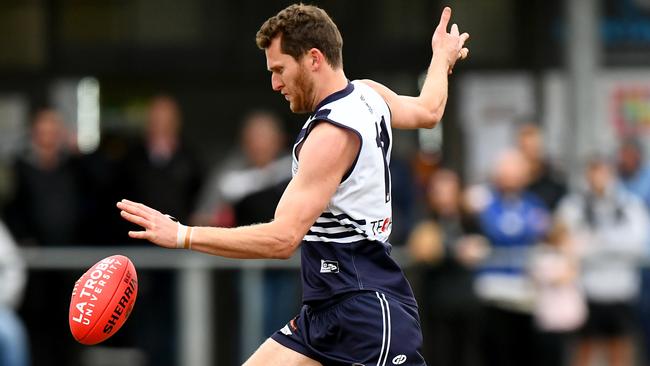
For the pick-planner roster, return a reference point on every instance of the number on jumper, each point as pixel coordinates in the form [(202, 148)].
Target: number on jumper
[(383, 143)]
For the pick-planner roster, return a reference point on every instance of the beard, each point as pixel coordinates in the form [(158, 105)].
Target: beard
[(301, 101)]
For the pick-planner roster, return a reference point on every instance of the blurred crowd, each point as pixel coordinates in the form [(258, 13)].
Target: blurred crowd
[(57, 196), (525, 269), (522, 269)]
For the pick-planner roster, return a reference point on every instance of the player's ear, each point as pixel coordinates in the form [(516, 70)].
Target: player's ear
[(315, 59)]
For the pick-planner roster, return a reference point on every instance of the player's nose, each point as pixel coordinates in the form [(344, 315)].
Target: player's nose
[(276, 82)]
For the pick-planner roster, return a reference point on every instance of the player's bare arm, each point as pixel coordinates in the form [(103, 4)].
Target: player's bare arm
[(426, 110), (325, 157)]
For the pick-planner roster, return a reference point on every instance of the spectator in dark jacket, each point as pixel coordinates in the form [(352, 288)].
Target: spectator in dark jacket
[(544, 180), (445, 248), (45, 209), (162, 171)]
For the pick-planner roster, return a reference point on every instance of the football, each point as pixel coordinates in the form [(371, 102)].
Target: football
[(102, 299)]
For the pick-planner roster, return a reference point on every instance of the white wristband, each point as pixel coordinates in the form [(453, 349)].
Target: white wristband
[(181, 233), (184, 236)]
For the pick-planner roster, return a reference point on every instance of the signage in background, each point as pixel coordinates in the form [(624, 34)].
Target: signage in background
[(631, 110), (625, 32), (492, 107)]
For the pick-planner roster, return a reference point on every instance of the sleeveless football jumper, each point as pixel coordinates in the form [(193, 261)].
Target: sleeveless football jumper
[(359, 308), (347, 248)]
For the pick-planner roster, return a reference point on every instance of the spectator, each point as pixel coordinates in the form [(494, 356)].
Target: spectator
[(635, 177), (14, 347), (253, 168), (246, 190), (634, 173), (513, 220), (162, 171), (446, 248), (611, 225), (559, 308), (45, 209), (544, 181)]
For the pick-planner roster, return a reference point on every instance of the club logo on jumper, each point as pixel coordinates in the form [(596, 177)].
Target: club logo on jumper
[(399, 359), (329, 266)]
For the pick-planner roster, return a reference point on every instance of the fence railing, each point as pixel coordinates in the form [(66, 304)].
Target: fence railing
[(196, 339)]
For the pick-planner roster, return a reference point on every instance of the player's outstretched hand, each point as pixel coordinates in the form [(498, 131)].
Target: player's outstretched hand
[(450, 45), (158, 228)]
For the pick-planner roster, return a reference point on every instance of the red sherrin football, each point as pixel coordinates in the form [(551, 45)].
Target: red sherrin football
[(102, 299)]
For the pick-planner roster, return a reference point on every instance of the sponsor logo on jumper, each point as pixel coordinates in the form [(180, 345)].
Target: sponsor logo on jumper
[(399, 359), (363, 99), (329, 266), (380, 226)]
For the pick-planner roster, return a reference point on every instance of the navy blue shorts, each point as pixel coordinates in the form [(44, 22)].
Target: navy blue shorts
[(360, 328)]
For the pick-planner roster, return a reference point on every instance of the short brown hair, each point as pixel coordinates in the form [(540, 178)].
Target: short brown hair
[(302, 28)]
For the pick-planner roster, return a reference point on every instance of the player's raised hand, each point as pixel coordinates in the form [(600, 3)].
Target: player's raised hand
[(449, 45), (158, 228)]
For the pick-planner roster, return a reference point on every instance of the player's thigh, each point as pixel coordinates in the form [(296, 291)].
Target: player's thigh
[(272, 353)]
